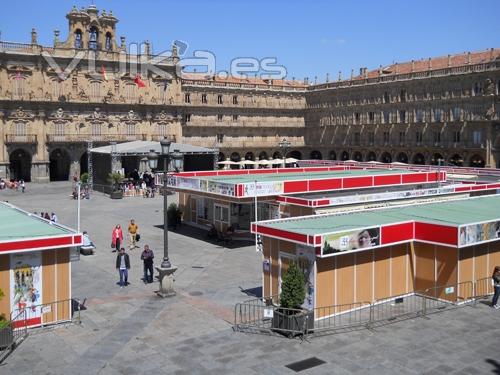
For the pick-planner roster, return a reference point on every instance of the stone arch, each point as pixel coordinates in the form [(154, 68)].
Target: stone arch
[(332, 155), (277, 155), (457, 160), (59, 166), (316, 155), (476, 161), (372, 156), (435, 158), (78, 39), (20, 164), (93, 37), (386, 157), (235, 157), (358, 156), (295, 154), (249, 156), (222, 156), (263, 155), (403, 157), (344, 155), (419, 159), (84, 163), (108, 41)]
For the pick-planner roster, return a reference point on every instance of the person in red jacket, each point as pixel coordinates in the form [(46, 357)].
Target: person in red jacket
[(116, 238)]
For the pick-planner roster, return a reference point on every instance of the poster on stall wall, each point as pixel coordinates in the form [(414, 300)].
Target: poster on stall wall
[(26, 285), (341, 242), (252, 189), (306, 257), (476, 233)]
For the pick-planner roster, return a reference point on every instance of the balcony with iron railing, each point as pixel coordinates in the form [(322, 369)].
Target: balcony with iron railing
[(69, 138), (27, 138)]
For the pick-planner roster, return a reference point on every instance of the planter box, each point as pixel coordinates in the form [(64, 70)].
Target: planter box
[(292, 325), (118, 194), (6, 337)]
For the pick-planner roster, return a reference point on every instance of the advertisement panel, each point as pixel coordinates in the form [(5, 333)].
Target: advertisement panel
[(477, 233), (26, 285), (341, 242), (252, 189), (188, 183), (220, 188)]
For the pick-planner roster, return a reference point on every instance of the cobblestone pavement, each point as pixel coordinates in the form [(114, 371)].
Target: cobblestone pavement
[(131, 331)]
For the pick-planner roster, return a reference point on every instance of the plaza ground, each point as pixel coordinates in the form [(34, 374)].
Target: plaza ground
[(131, 331)]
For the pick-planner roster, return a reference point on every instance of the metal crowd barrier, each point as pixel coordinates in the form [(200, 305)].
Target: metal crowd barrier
[(45, 314), (263, 315), (12, 335)]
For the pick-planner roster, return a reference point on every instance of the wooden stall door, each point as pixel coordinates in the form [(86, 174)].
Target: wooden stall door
[(325, 286), (424, 264)]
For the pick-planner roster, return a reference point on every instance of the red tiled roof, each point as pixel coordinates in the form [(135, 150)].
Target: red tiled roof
[(249, 80), (436, 63)]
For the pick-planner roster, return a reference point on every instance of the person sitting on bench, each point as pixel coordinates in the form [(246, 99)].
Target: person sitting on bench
[(88, 246)]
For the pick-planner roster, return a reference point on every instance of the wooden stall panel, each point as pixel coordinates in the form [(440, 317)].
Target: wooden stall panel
[(325, 286), (411, 267), (382, 287), (424, 266), (481, 262), (494, 255), (446, 275), (49, 284), (274, 267), (465, 266), (5, 285), (364, 276), (345, 280), (398, 269), (63, 284)]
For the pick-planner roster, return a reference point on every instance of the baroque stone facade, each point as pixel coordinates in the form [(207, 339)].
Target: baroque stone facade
[(88, 90)]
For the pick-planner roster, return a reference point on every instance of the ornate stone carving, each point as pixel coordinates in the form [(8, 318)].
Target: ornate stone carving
[(131, 116), (97, 116), (20, 114)]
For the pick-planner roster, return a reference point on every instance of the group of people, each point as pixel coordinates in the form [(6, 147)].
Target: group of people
[(45, 215), (84, 193), (13, 184), (123, 259), (140, 183)]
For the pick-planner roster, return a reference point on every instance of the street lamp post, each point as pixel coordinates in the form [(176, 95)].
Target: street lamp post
[(166, 268), (284, 145)]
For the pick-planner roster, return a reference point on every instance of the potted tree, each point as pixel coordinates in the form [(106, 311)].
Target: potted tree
[(6, 332), (116, 178), (290, 318)]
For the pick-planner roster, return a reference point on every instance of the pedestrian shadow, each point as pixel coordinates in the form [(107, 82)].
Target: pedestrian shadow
[(495, 364), (201, 235), (252, 292)]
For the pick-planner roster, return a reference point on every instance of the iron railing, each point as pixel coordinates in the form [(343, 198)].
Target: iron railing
[(44, 314), (13, 334), (264, 315)]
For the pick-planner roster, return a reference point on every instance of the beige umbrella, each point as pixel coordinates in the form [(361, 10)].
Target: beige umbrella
[(276, 161), (264, 162), (291, 160), (246, 162)]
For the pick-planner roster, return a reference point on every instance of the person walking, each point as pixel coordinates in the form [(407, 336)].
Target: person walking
[(123, 265), (147, 258), (496, 286), (132, 233), (116, 238)]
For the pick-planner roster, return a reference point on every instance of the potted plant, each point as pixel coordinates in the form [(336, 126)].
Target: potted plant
[(290, 318), (84, 178), (6, 331), (116, 178)]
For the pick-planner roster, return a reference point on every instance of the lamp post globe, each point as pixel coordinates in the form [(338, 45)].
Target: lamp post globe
[(285, 145), (152, 159)]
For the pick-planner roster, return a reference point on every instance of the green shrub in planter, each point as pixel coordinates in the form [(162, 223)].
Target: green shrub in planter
[(293, 289), (84, 178)]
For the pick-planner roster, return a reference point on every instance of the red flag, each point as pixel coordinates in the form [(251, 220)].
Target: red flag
[(138, 81), (103, 73)]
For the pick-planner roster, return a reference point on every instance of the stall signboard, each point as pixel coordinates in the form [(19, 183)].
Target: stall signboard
[(478, 233), (220, 188), (348, 241), (188, 183), (362, 198), (259, 189), (26, 285)]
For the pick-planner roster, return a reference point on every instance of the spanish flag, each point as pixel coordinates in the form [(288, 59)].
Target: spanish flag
[(138, 81), (103, 73)]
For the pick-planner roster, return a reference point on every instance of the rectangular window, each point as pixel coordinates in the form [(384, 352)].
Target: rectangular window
[(220, 117), (221, 214), (437, 115), (204, 98), (130, 129), (386, 137), (357, 138), (59, 129), (371, 117), (401, 137), (402, 96), (20, 129), (371, 138), (220, 138), (187, 117), (357, 118), (419, 115), (56, 89), (402, 116), (387, 98), (187, 98), (95, 90), (96, 129), (201, 209), (437, 138), (418, 137), (456, 113), (163, 130), (477, 137), (219, 99), (235, 117), (18, 87), (235, 99), (131, 93), (456, 136), (387, 117), (478, 89)]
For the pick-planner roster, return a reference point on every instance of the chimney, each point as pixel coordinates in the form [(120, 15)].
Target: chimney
[(396, 68), (468, 58), (429, 65), (449, 61), (380, 70), (147, 48), (56, 37), (352, 74), (327, 77), (491, 54), (123, 46), (340, 75), (33, 36), (412, 66)]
